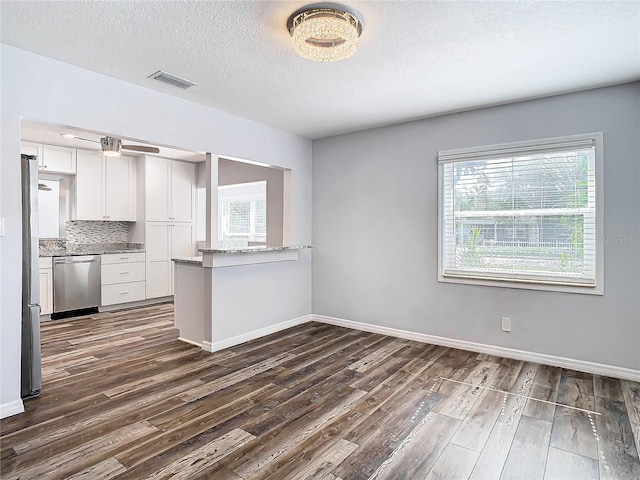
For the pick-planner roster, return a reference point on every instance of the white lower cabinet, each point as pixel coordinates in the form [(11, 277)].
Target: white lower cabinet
[(158, 247), (165, 240), (123, 278), (46, 286), (123, 293)]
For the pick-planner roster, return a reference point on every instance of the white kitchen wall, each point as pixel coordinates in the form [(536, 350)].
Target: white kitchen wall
[(375, 231), (41, 89)]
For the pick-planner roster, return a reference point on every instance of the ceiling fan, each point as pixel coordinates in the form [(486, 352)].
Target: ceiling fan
[(111, 146)]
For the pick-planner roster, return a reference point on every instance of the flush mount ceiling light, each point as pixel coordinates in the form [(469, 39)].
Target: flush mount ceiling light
[(324, 34)]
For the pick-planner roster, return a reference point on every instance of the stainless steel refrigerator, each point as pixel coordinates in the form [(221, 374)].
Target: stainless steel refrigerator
[(31, 372)]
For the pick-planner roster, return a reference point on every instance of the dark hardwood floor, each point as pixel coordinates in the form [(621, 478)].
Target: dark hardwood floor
[(123, 398)]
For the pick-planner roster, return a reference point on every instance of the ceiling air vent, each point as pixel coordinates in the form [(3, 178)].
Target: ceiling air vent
[(172, 80)]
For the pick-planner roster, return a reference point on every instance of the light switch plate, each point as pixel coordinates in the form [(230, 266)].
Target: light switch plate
[(506, 324)]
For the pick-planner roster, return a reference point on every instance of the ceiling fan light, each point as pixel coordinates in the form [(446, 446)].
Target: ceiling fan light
[(110, 146), (324, 34)]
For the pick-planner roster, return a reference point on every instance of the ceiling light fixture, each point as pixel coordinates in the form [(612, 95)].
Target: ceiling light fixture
[(68, 135), (111, 146), (324, 34)]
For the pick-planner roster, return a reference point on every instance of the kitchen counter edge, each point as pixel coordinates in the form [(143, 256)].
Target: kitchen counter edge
[(252, 249), (70, 253)]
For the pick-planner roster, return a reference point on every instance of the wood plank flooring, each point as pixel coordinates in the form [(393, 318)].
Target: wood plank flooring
[(123, 398)]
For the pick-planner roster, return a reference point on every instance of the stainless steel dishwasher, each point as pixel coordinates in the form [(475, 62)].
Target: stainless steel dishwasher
[(76, 283)]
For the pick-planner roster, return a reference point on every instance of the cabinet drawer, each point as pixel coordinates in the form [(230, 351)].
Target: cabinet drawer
[(122, 258), (122, 293), (123, 273), (45, 262)]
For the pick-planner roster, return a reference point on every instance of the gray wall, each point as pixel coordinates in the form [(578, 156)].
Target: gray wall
[(230, 172), (375, 231)]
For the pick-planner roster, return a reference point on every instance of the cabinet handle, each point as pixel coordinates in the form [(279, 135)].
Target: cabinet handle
[(124, 273), (125, 293), (124, 258)]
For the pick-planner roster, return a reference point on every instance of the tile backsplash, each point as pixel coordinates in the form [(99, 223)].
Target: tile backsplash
[(84, 232)]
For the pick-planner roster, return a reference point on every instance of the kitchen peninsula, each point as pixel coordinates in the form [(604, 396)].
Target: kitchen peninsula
[(230, 296)]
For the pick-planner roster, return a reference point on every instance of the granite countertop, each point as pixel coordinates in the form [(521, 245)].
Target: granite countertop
[(189, 260), (92, 249), (255, 249)]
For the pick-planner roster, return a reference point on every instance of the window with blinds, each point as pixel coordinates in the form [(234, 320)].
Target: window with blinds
[(525, 213), (242, 214)]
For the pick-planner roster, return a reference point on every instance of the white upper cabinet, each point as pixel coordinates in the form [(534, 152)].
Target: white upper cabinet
[(51, 158), (120, 188), (170, 188), (58, 159), (89, 187), (183, 180), (30, 148), (158, 185), (105, 188)]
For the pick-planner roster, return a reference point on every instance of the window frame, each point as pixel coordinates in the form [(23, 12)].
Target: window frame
[(462, 154), (252, 199)]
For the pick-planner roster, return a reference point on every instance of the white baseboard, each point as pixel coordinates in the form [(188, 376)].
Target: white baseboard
[(13, 408), (553, 360), (245, 337), (191, 342)]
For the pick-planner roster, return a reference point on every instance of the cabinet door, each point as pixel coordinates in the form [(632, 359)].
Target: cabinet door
[(183, 179), (46, 291), (58, 159), (158, 282), (158, 254), (158, 186), (182, 244), (119, 188), (29, 148), (89, 187)]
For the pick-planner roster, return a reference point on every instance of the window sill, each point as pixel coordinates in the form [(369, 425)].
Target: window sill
[(524, 285)]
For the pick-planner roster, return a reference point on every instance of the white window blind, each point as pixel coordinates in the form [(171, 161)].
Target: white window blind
[(522, 212), (242, 213)]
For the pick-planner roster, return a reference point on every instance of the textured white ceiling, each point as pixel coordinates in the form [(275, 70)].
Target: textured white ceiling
[(416, 58)]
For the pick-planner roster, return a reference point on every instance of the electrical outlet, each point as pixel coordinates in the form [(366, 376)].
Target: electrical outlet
[(506, 324)]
